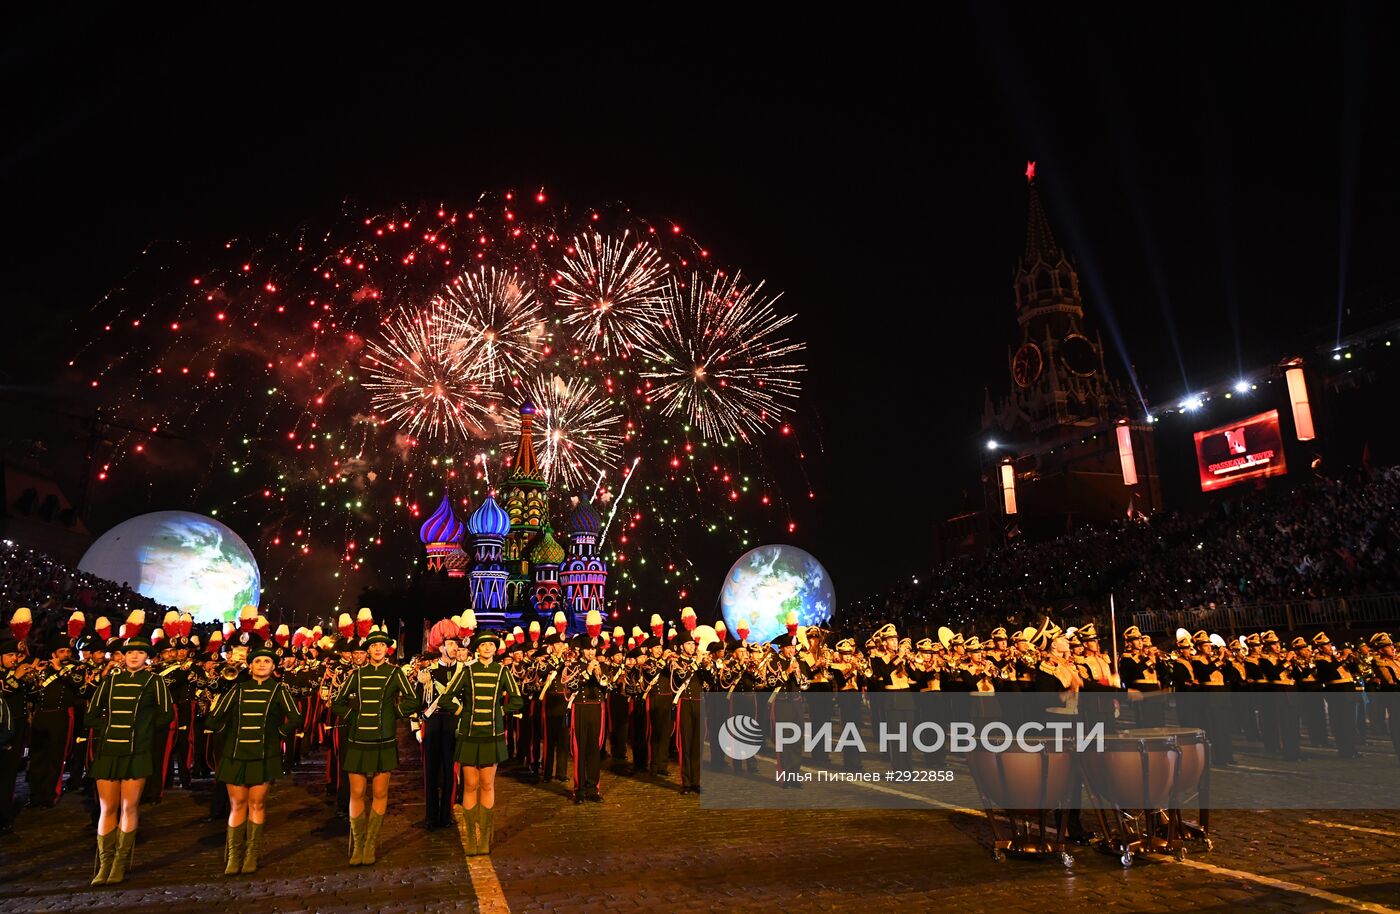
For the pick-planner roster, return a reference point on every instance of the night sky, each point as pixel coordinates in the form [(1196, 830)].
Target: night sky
[(1225, 178)]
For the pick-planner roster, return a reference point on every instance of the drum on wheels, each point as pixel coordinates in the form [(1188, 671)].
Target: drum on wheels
[(1138, 783), (1026, 786)]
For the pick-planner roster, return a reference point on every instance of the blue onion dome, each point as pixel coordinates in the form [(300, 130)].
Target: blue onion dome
[(584, 519), (527, 408), (547, 550), (489, 519), (443, 526)]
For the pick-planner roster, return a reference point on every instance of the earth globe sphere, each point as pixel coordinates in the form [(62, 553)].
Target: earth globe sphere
[(179, 559), (768, 582)]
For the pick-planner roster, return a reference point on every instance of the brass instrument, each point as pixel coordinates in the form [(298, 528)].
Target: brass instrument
[(331, 680), (899, 670)]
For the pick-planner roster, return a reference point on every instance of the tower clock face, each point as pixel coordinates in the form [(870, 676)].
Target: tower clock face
[(1080, 355), (1027, 364)]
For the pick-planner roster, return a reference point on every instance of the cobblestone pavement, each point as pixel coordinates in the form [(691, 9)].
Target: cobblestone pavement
[(647, 848)]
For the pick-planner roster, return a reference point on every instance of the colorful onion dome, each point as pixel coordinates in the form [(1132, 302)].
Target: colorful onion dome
[(547, 550), (443, 526), (584, 519), (489, 519)]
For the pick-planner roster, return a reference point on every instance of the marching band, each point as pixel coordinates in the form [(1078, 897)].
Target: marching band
[(129, 714)]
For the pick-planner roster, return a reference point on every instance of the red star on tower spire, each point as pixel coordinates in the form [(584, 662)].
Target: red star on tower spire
[(1030, 172)]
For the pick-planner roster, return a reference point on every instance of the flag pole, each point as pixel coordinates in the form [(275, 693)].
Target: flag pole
[(1113, 630)]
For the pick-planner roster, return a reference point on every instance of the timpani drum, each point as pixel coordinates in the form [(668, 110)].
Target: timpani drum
[(1026, 785), (1142, 777)]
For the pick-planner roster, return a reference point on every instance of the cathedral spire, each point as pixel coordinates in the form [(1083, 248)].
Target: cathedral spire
[(525, 466)]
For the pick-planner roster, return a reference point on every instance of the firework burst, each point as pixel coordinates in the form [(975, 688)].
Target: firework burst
[(578, 429), (420, 376), (498, 319), (718, 358), (613, 289), (347, 375)]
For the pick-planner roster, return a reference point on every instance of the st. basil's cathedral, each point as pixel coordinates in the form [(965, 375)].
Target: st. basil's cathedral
[(507, 558)]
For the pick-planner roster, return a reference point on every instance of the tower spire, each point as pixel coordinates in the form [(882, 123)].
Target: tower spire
[(525, 466), (1040, 240)]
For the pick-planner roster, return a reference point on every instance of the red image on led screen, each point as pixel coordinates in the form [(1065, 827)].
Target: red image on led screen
[(1247, 449)]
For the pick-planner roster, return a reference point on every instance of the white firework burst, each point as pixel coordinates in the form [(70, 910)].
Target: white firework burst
[(613, 290), (578, 430), (498, 319), (719, 360), (420, 377)]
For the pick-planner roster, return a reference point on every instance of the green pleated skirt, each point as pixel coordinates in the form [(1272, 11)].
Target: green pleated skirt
[(481, 752), (371, 758), (250, 773), (121, 767)]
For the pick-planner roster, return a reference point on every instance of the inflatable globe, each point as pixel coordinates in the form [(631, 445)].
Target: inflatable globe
[(769, 581), (180, 559)]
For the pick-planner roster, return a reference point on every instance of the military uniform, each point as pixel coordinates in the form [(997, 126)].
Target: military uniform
[(792, 675), (1214, 677), (689, 701), (254, 717), (126, 713), (1386, 680), (475, 695), (370, 702), (554, 702), (1281, 711), (847, 680), (637, 730), (617, 719), (482, 696), (1139, 677), (1339, 685), (588, 692), (14, 699), (179, 679), (55, 724), (660, 702), (439, 729)]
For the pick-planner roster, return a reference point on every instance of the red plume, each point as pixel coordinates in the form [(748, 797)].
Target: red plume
[(346, 625), (103, 627), (283, 634), (134, 621), (364, 621), (20, 623), (247, 618), (76, 624)]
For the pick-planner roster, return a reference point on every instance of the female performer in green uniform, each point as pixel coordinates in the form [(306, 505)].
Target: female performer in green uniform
[(482, 694), (370, 703), (130, 704), (255, 716)]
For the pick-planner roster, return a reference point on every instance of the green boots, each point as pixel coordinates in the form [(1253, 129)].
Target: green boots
[(233, 849), (472, 819), (372, 835), (106, 856), (250, 850), (486, 820), (126, 847), (480, 829), (357, 839)]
